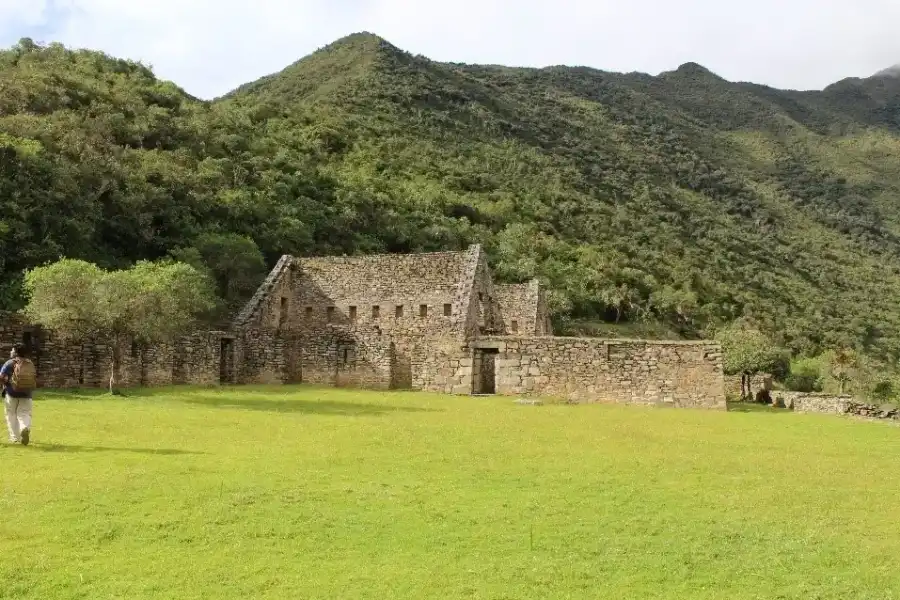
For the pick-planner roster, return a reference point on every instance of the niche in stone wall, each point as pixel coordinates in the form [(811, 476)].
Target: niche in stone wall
[(226, 360), (283, 311)]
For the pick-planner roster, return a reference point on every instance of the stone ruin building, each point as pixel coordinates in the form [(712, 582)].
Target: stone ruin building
[(429, 321)]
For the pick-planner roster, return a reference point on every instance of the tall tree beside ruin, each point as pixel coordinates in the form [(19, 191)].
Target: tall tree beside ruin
[(150, 302), (234, 262), (747, 351)]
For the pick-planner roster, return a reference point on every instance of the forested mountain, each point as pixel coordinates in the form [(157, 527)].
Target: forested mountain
[(682, 199)]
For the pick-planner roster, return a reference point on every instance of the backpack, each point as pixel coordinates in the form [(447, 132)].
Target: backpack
[(24, 376)]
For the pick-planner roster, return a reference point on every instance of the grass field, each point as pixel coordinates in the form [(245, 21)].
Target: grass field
[(296, 492)]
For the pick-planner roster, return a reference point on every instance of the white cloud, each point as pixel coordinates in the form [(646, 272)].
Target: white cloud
[(211, 46)]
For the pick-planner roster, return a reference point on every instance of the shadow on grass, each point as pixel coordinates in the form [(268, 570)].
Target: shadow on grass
[(255, 398), (753, 407), (315, 407), (74, 449)]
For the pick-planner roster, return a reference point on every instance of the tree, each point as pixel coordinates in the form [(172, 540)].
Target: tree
[(150, 302), (844, 364), (747, 351), (234, 261)]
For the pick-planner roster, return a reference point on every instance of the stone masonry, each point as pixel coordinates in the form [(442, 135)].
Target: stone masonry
[(430, 321), (196, 358), (626, 371)]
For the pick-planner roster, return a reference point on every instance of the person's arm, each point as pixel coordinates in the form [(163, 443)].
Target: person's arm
[(5, 372)]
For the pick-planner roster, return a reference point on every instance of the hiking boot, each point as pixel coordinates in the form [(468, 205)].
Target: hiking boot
[(25, 435)]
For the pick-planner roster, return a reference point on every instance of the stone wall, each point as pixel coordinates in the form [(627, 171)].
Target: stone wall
[(385, 320), (812, 402), (593, 370), (195, 358), (542, 318), (524, 309), (518, 305), (365, 320), (261, 357), (484, 308)]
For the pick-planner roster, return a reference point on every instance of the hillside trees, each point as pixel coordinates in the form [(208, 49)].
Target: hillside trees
[(628, 197)]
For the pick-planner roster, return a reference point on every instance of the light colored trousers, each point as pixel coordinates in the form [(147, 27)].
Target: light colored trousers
[(18, 415)]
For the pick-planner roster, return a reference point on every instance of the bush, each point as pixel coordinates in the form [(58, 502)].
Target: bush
[(805, 375), (882, 391)]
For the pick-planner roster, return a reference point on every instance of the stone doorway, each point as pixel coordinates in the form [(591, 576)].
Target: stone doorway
[(485, 373)]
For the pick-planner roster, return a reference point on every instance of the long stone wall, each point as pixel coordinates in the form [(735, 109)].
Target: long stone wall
[(687, 374)]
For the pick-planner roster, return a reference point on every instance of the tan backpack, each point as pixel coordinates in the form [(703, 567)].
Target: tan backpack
[(24, 376)]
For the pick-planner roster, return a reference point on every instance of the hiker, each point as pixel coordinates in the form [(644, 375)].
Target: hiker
[(19, 378)]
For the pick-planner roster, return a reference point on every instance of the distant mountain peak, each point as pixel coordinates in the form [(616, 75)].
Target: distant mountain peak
[(363, 40), (692, 69)]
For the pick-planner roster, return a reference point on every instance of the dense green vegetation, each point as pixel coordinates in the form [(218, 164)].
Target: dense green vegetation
[(682, 200), (297, 492)]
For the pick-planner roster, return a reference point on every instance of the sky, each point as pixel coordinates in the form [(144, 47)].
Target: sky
[(209, 47)]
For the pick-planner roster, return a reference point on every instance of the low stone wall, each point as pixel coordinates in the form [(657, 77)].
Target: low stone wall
[(874, 411), (811, 402), (835, 405), (685, 374)]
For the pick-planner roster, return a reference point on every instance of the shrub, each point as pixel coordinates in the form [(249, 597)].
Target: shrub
[(805, 375)]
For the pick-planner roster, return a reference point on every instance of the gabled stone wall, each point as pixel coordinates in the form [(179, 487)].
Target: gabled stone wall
[(368, 320)]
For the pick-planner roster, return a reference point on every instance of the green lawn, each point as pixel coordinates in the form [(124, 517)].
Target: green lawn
[(294, 492)]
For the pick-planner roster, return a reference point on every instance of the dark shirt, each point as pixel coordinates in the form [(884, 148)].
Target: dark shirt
[(7, 371)]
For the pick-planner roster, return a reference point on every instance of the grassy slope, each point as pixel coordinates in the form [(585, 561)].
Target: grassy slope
[(301, 492)]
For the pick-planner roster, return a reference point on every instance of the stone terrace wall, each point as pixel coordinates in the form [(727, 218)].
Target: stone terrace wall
[(687, 374)]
